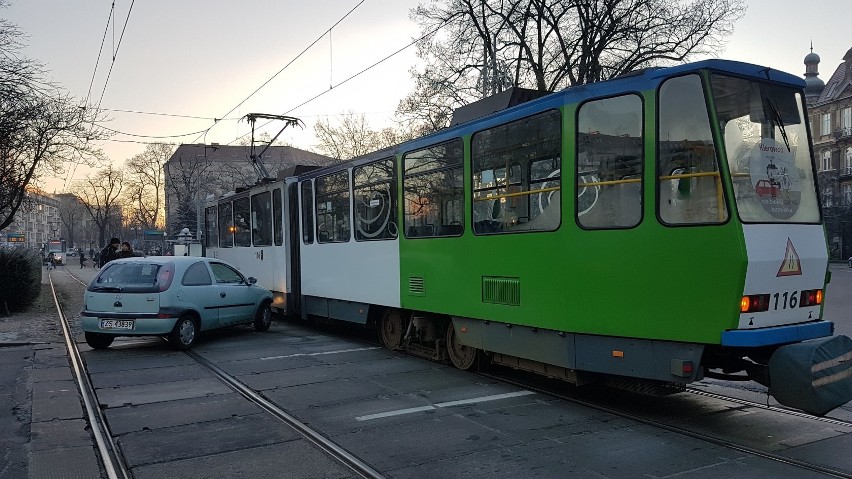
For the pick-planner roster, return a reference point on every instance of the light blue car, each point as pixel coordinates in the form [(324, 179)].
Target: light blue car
[(173, 296)]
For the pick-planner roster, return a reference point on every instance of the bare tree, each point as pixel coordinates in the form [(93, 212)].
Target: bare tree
[(100, 194), (187, 178), (352, 137), (73, 215), (484, 46), (41, 127), (144, 186)]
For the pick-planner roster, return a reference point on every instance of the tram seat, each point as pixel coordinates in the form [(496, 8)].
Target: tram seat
[(420, 231), (450, 230)]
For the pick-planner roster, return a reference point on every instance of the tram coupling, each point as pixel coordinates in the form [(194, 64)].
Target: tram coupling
[(814, 376)]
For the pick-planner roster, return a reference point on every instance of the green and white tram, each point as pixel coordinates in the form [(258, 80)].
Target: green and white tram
[(648, 230)]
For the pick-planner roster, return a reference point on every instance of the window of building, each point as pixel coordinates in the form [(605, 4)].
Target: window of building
[(374, 187), (825, 160), (261, 219), (689, 183), (332, 207), (610, 162), (516, 175), (846, 121), (826, 124), (242, 226), (847, 195), (307, 212), (827, 197), (847, 166), (433, 189)]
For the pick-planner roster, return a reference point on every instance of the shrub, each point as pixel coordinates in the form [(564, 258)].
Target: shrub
[(20, 278)]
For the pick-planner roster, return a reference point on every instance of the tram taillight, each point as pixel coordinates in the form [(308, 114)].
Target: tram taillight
[(754, 303), (811, 297)]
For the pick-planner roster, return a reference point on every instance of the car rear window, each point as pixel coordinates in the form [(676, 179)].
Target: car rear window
[(127, 277)]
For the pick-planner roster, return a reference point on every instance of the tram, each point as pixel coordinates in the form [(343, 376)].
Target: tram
[(643, 232), (54, 247)]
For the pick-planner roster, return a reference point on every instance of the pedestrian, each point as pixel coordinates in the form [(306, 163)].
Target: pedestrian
[(82, 259), (126, 250), (51, 263), (110, 252)]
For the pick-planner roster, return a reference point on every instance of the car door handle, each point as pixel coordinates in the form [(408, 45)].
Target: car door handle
[(222, 295)]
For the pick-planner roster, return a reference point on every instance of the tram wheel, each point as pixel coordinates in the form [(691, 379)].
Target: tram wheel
[(462, 357), (392, 328)]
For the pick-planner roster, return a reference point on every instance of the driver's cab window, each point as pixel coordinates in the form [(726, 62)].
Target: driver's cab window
[(225, 274), (690, 185)]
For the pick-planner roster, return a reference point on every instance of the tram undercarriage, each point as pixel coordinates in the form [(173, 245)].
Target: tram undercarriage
[(644, 366)]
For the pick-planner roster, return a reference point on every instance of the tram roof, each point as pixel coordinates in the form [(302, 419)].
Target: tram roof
[(641, 80)]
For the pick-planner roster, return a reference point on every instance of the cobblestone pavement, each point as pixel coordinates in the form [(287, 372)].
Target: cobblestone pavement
[(43, 432)]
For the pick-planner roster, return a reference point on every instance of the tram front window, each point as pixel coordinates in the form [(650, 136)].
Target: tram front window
[(767, 148)]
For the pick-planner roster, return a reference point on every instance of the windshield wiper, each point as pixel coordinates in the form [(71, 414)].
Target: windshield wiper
[(110, 289), (776, 118)]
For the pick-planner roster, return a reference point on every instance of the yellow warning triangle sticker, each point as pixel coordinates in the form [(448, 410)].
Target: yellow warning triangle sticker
[(791, 265)]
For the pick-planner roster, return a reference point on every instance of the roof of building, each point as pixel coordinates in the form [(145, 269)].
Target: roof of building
[(840, 84)]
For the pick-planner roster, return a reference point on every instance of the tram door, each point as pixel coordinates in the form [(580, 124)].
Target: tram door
[(294, 300)]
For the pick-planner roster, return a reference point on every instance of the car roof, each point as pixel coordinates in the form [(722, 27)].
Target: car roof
[(178, 260)]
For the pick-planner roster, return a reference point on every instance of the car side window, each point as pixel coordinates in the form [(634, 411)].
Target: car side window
[(196, 275), (225, 274)]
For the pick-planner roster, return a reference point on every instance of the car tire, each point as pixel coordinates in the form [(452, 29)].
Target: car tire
[(99, 340), (185, 333), (263, 317)]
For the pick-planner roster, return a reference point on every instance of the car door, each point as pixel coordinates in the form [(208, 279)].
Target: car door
[(199, 293), (236, 298)]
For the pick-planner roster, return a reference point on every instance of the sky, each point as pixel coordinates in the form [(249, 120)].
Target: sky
[(173, 59)]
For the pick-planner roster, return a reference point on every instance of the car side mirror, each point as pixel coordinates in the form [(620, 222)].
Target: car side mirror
[(251, 280)]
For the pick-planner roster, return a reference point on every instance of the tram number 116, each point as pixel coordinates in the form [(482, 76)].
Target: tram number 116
[(785, 300)]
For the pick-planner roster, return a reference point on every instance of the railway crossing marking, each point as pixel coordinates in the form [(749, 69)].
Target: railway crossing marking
[(461, 402)]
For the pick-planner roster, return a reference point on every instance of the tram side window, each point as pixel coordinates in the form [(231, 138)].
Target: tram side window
[(211, 228), (277, 217), (226, 226), (374, 187), (242, 228), (333, 208), (434, 191), (610, 163), (690, 187), (261, 219), (516, 175), (307, 212)]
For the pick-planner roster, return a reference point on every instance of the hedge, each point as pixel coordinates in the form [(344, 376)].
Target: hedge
[(20, 278)]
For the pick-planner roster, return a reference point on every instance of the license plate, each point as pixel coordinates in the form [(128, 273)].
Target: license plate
[(116, 324)]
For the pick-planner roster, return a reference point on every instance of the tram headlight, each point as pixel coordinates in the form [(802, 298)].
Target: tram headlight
[(812, 297), (754, 303)]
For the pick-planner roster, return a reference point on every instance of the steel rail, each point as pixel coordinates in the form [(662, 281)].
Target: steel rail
[(331, 448), (106, 446), (679, 430)]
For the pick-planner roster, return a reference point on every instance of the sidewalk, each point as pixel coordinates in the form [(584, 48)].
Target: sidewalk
[(43, 430)]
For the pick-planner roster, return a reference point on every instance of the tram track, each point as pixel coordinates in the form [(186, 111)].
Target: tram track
[(328, 446), (692, 433), (364, 470), (108, 451)]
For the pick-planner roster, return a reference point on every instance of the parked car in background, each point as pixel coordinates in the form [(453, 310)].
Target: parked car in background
[(177, 297)]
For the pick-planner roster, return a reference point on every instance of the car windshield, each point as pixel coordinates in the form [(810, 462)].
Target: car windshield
[(125, 277), (767, 148)]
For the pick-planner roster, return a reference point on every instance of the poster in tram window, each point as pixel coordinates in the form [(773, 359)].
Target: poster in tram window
[(775, 179)]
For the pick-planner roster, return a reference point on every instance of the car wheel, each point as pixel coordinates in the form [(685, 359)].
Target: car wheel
[(263, 317), (185, 333), (98, 340)]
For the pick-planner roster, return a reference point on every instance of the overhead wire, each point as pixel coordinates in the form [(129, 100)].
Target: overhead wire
[(287, 65), (331, 87)]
